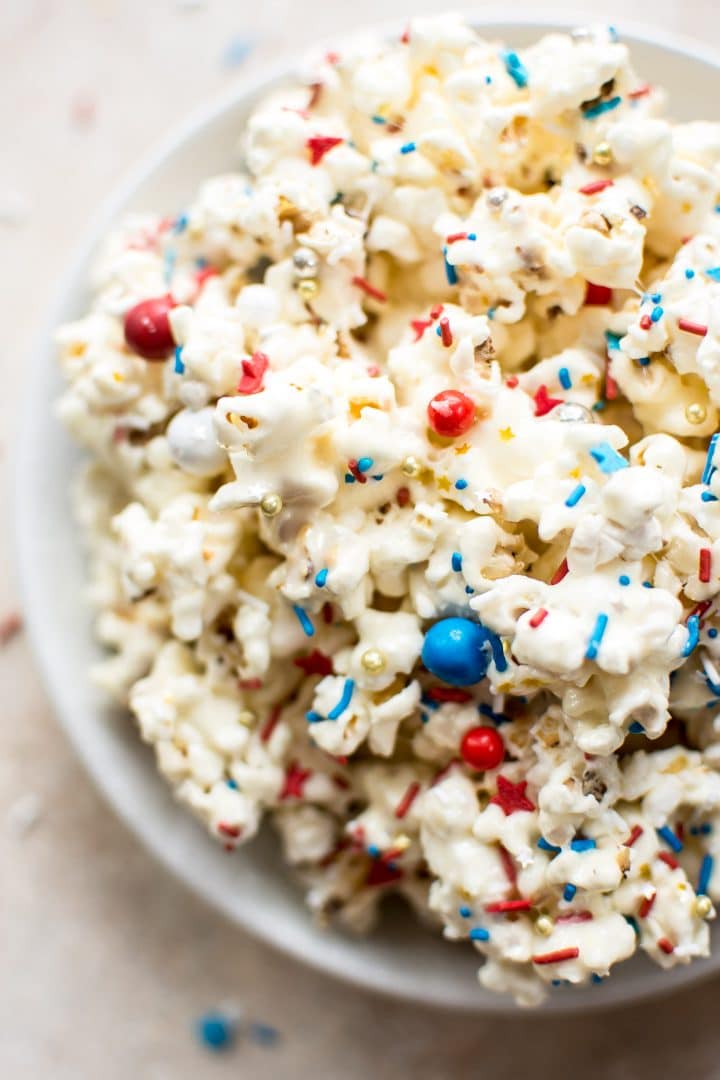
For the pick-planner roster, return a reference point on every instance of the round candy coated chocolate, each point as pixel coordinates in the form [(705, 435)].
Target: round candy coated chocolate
[(147, 328), (451, 413), (482, 748), (457, 651)]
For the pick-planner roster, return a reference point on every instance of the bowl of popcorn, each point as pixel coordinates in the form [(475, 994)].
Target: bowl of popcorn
[(367, 494)]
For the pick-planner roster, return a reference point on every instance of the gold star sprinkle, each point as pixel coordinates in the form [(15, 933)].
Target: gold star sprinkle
[(506, 434), (462, 449), (443, 483)]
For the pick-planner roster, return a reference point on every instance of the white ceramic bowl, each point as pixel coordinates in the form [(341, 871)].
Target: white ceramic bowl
[(253, 888)]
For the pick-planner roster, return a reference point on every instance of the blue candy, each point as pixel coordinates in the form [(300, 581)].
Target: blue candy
[(458, 651)]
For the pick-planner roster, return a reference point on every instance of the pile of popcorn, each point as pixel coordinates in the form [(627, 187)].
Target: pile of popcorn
[(401, 496)]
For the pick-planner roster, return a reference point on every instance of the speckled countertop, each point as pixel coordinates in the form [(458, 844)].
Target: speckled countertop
[(105, 961)]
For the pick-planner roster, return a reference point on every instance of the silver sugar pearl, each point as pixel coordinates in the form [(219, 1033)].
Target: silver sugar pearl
[(581, 33), (573, 412), (305, 263), (496, 198)]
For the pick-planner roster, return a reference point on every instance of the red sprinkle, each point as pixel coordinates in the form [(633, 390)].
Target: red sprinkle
[(668, 860), (320, 145), (295, 779), (420, 326), (270, 724), (508, 905), (253, 373), (402, 496), (229, 830), (665, 945), (483, 748), (511, 797), (538, 618), (641, 91), (332, 58), (560, 573), (315, 663), (512, 381), (315, 92), (455, 236), (370, 290), (611, 387), (543, 402), (203, 275), (596, 186), (354, 470), (405, 36), (635, 833), (436, 312), (645, 322), (704, 565), (692, 327), (508, 865), (407, 800), (700, 609), (10, 627), (575, 916), (646, 906), (445, 332), (250, 684), (448, 693), (451, 413), (327, 612), (557, 957), (597, 295)]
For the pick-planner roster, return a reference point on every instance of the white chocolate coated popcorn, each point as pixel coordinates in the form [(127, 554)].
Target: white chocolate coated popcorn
[(445, 347)]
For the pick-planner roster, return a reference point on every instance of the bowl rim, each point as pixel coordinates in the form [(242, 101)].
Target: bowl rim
[(246, 87)]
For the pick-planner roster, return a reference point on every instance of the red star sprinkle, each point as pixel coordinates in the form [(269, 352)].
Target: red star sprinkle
[(420, 326), (320, 145), (315, 663), (511, 797), (294, 785), (253, 372), (543, 402)]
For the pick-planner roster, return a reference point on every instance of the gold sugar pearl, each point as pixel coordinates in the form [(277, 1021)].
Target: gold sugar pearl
[(602, 154), (247, 718), (695, 413), (373, 661), (703, 906), (271, 504), (411, 467), (307, 288), (544, 925)]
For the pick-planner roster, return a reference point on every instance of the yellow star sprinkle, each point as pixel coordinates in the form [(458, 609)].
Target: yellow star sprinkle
[(462, 449), (506, 434), (443, 483), (574, 474)]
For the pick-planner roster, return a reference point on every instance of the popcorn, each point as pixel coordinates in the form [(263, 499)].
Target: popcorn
[(445, 372)]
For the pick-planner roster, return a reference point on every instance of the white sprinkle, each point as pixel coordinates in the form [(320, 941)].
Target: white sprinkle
[(25, 813)]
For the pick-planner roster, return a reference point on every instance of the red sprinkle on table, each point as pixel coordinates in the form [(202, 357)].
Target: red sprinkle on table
[(557, 957)]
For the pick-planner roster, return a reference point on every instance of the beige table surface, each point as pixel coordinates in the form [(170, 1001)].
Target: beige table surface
[(105, 961)]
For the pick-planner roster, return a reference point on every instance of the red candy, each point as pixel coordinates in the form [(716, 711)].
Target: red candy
[(482, 748), (147, 328), (253, 370), (451, 413)]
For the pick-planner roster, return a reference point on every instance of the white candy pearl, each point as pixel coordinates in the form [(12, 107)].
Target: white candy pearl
[(193, 444), (258, 306)]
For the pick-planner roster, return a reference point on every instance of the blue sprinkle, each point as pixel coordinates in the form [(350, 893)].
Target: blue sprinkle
[(585, 844), (564, 377), (595, 978), (498, 653), (545, 845), (672, 841), (408, 148), (378, 120), (479, 933), (344, 701), (632, 922), (365, 464), (575, 495), (596, 636), (472, 236), (569, 892), (263, 1034), (179, 365), (304, 620), (491, 313), (488, 79), (321, 577), (712, 632), (599, 406), (707, 496), (613, 340), (349, 478), (314, 717), (701, 830), (656, 314), (465, 912), (461, 484), (216, 1031), (469, 590), (236, 52), (693, 626), (713, 273), (689, 274), (636, 728), (373, 850), (515, 68), (608, 459), (624, 579), (643, 361), (450, 273), (602, 107), (647, 585), (170, 260), (456, 561), (231, 784), (613, 34), (656, 297), (180, 224), (709, 466), (499, 718), (201, 262), (706, 870)]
